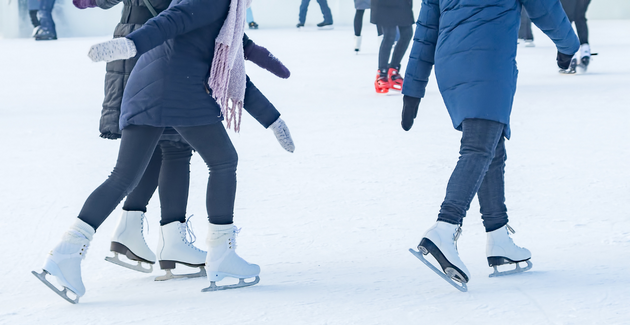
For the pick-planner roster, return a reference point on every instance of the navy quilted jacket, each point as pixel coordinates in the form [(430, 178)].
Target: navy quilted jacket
[(473, 46), (168, 85)]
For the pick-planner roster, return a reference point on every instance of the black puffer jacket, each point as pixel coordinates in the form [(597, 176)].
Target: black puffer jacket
[(389, 13), (135, 14)]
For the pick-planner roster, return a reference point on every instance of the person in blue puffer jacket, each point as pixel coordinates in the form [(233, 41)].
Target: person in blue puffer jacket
[(173, 85), (473, 47)]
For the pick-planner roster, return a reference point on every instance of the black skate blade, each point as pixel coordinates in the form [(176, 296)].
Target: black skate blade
[(241, 284), (518, 268), (169, 275), (137, 267), (458, 285), (63, 294)]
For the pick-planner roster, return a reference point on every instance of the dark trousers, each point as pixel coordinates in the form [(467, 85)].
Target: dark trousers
[(137, 146), (525, 31), (169, 168), (479, 170), (576, 12), (385, 52)]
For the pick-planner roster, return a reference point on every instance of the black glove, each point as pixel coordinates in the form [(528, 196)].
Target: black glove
[(410, 110), (564, 60)]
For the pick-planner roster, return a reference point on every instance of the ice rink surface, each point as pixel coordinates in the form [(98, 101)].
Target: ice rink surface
[(330, 224)]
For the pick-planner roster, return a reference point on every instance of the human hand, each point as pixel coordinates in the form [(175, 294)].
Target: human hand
[(264, 59), (410, 110), (281, 131), (82, 4), (117, 49)]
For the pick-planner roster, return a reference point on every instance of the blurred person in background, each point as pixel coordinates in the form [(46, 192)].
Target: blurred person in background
[(576, 12), (360, 6), (323, 5), (395, 17), (46, 30), (525, 31)]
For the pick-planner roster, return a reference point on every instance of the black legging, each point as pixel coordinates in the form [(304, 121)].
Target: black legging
[(136, 149), (389, 37), (576, 12), (169, 168)]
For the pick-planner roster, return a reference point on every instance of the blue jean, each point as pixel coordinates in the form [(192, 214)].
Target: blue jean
[(45, 17), (323, 4), (249, 15), (479, 170)]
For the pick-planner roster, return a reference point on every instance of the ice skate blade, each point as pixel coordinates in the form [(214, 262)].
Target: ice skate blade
[(63, 294), (241, 284), (169, 275), (518, 269), (138, 267), (458, 285)]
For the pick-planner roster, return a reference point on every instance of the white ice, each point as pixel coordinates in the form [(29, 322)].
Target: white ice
[(331, 224)]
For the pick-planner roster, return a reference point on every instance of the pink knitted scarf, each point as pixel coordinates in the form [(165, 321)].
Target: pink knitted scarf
[(227, 73)]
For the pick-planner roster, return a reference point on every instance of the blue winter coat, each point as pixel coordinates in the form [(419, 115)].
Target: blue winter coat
[(473, 46), (168, 85)]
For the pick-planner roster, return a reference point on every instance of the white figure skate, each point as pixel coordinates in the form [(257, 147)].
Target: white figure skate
[(128, 239), (174, 248), (64, 261), (222, 260), (441, 241), (357, 44), (585, 57), (500, 250)]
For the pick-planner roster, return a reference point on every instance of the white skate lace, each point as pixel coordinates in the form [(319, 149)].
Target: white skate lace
[(186, 228), (458, 233)]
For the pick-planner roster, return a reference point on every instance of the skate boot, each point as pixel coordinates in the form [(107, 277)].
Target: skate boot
[(357, 44), (381, 84), (395, 80), (44, 34), (128, 239), (529, 43), (222, 260), (253, 25), (585, 57), (325, 25), (174, 247), (299, 25), (441, 241), (64, 261), (500, 250)]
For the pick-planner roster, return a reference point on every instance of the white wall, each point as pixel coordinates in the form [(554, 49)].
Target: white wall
[(267, 13)]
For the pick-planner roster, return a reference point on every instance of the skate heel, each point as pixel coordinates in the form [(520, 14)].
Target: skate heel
[(119, 248), (167, 265), (449, 269)]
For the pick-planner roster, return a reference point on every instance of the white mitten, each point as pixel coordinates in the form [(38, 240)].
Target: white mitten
[(117, 49), (281, 131)]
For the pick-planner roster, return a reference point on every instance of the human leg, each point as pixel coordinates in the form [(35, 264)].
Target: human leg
[(136, 150), (128, 237), (581, 7), (525, 30), (385, 50), (64, 262), (358, 21), (478, 145), (47, 29), (323, 5), (491, 193), (404, 37), (215, 147), (303, 10)]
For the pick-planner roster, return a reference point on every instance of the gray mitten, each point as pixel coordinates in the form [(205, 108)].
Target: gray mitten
[(117, 49), (281, 131)]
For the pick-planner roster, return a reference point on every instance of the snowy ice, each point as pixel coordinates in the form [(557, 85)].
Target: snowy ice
[(331, 224)]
